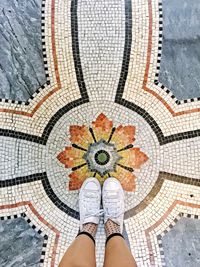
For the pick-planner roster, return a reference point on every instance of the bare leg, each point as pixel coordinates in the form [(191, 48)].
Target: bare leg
[(117, 253), (81, 253)]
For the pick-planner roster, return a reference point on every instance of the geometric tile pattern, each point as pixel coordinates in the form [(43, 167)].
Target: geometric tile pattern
[(139, 88), (156, 217), (108, 64)]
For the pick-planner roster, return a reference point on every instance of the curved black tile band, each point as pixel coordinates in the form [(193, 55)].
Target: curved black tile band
[(73, 213), (84, 99), (80, 79), (84, 96), (122, 80), (47, 187)]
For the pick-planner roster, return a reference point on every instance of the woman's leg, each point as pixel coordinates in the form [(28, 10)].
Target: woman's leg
[(81, 253), (117, 253)]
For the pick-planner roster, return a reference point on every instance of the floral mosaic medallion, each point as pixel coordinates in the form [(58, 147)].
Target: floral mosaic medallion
[(102, 150)]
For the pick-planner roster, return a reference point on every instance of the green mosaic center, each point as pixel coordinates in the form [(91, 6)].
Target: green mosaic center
[(102, 157)]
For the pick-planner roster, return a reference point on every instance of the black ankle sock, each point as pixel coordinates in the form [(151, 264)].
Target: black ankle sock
[(88, 234), (112, 235)]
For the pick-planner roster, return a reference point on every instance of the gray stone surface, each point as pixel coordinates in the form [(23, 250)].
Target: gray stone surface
[(20, 245), (182, 244), (180, 64), (21, 62)]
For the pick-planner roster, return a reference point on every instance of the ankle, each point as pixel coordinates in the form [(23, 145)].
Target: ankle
[(111, 228), (90, 228)]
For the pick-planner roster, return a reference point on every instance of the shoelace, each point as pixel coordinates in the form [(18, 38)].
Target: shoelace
[(114, 216), (96, 214), (114, 210)]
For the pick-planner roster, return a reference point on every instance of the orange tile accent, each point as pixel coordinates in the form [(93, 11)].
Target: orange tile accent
[(151, 228), (133, 157), (126, 178), (71, 157), (58, 87), (80, 135), (102, 127), (174, 114), (28, 203), (123, 136)]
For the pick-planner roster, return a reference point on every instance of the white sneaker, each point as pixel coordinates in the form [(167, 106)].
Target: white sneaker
[(113, 201), (89, 201)]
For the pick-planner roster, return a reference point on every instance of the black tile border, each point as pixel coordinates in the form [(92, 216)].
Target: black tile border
[(155, 127), (75, 214), (47, 187), (156, 80), (153, 124), (82, 87), (45, 63), (167, 230), (118, 99), (127, 50), (34, 227), (43, 139), (122, 80), (75, 50)]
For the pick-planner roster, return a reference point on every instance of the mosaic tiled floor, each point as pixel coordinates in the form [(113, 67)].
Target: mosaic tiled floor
[(102, 88)]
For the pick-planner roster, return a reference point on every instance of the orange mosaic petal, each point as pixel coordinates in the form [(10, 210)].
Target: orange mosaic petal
[(71, 157), (133, 158), (129, 184), (80, 135), (123, 136), (81, 174), (75, 185), (126, 178), (78, 177), (102, 127)]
